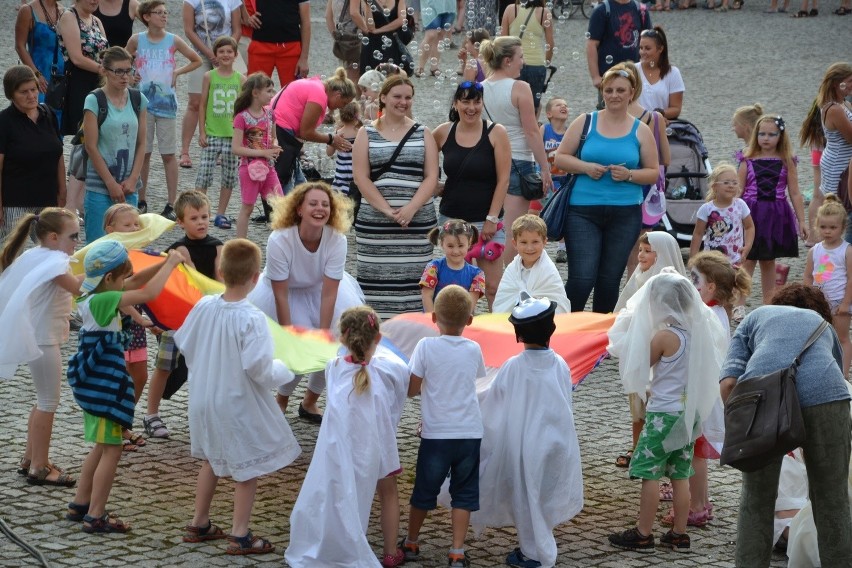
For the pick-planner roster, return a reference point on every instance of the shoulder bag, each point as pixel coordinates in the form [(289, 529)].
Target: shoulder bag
[(347, 44), (532, 186), (763, 419), (355, 193), (57, 86), (554, 212)]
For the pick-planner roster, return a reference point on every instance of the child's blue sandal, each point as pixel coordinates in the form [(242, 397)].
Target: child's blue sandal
[(249, 544), (222, 222), (202, 534)]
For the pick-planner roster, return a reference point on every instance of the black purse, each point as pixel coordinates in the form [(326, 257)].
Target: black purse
[(554, 212), (532, 186), (763, 419), (57, 87)]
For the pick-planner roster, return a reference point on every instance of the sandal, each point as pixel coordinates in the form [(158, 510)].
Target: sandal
[(185, 161), (842, 11), (133, 438), (393, 560), (202, 534), (155, 427), (248, 544), (419, 73), (76, 513), (813, 13), (104, 524), (24, 467), (666, 491), (128, 446), (222, 222), (40, 477), (624, 459), (694, 519), (800, 14)]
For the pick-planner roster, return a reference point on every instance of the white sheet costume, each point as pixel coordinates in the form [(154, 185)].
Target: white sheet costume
[(540, 281), (234, 422), (668, 254), (530, 472), (33, 310), (355, 448)]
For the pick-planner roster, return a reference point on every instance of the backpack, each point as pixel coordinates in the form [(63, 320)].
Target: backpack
[(643, 11), (79, 158)]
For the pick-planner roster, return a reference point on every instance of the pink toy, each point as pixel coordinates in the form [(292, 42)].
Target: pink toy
[(489, 250)]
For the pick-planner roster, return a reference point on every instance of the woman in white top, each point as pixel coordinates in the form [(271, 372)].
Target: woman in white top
[(662, 84), (304, 282), (532, 23), (510, 102)]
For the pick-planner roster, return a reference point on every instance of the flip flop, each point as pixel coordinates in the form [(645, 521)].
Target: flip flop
[(185, 162)]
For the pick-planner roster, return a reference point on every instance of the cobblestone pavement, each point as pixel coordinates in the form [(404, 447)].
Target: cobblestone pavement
[(727, 60)]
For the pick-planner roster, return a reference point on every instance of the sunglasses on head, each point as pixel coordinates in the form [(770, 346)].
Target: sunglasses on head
[(650, 33), (470, 85)]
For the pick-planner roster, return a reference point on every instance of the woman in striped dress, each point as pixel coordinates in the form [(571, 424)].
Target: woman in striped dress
[(397, 209)]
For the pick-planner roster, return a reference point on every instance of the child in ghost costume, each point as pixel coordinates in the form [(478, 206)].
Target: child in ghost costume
[(356, 449), (529, 428), (657, 250)]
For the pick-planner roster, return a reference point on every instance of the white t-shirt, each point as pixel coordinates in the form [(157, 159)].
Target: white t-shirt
[(657, 95), (217, 13), (288, 259), (449, 366), (724, 231)]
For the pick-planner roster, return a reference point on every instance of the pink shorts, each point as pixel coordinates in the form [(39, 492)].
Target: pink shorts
[(136, 355), (250, 189), (816, 156)]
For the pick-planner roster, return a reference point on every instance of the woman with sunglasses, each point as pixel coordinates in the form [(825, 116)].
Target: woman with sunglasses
[(604, 214), (662, 84), (509, 102), (116, 148), (476, 162)]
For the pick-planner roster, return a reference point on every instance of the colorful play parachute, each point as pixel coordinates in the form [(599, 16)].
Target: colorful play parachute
[(580, 338), (153, 226)]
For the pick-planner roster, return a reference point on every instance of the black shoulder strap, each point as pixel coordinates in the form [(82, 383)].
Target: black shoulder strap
[(53, 118), (387, 165), (527, 21), (814, 336), (135, 100), (103, 108)]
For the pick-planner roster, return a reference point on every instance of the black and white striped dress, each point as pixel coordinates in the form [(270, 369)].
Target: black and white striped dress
[(391, 258)]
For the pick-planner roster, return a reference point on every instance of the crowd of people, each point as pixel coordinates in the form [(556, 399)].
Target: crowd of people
[(86, 74)]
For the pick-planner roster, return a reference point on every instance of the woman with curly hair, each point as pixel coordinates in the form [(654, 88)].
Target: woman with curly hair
[(304, 282)]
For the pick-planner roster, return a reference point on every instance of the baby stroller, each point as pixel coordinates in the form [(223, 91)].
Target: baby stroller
[(686, 180)]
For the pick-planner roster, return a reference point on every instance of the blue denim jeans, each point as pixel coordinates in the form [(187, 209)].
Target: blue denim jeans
[(599, 239), (95, 206)]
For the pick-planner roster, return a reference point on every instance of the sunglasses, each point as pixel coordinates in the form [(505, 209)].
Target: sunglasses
[(470, 85), (650, 33)]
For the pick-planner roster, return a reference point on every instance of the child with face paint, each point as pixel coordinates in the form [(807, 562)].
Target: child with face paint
[(720, 285), (657, 250)]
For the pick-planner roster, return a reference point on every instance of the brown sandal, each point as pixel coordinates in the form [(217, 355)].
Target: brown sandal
[(104, 524), (40, 477), (202, 534), (249, 544)]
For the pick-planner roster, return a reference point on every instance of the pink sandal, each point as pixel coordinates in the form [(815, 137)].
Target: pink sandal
[(695, 519)]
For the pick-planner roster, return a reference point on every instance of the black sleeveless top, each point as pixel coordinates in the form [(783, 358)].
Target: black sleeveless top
[(468, 190), (118, 28), (202, 252)]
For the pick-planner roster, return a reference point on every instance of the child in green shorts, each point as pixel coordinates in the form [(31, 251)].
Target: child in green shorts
[(98, 376), (687, 345)]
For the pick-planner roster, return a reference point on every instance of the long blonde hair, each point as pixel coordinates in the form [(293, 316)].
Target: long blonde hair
[(784, 147), (359, 330)]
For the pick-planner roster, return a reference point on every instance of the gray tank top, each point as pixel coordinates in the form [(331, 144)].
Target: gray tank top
[(498, 100)]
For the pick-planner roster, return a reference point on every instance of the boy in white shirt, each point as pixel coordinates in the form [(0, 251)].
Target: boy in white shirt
[(531, 271), (447, 368)]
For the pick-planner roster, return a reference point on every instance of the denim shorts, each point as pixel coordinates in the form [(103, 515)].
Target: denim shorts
[(535, 76), (438, 458), (519, 168), (440, 21)]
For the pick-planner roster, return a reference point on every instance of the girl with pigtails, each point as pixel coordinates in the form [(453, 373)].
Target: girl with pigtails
[(356, 454)]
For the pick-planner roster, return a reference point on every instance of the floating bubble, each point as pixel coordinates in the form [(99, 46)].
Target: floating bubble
[(386, 12), (669, 131), (523, 28), (471, 14), (377, 55), (370, 21), (374, 86), (354, 66), (410, 11), (588, 35), (365, 40), (476, 45), (842, 86), (608, 59), (447, 27), (482, 10), (575, 56), (441, 48), (555, 50), (547, 23), (652, 64), (433, 61), (425, 47)]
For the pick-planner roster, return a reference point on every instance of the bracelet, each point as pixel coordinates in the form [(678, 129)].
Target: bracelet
[(330, 139)]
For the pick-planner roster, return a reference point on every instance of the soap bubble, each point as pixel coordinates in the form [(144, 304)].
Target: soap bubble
[(447, 27), (575, 56), (377, 55), (608, 59), (588, 35), (354, 66), (374, 86), (669, 131), (386, 12), (433, 61), (652, 64), (370, 21), (410, 11), (365, 40)]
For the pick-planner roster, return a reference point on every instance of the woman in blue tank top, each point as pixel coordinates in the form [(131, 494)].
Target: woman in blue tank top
[(604, 214)]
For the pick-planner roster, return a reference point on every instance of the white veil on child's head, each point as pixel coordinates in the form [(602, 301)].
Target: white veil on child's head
[(668, 254), (670, 299)]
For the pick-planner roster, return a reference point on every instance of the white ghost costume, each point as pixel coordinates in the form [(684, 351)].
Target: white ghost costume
[(33, 310), (356, 447), (530, 475), (671, 299), (540, 281), (234, 422), (668, 254)]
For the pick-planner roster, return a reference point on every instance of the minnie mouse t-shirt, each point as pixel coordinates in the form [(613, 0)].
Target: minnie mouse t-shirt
[(724, 231)]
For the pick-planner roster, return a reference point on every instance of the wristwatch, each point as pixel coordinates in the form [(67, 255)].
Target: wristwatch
[(493, 218), (330, 139)]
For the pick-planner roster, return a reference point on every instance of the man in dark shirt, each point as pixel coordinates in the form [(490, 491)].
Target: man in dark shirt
[(613, 36), (283, 39)]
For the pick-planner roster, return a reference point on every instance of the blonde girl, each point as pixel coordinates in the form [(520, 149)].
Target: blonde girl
[(348, 124), (744, 119), (768, 175), (124, 218), (724, 223), (829, 268), (720, 285), (455, 237), (366, 393), (252, 113), (35, 301)]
